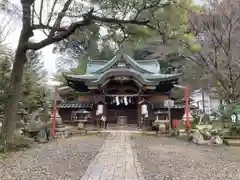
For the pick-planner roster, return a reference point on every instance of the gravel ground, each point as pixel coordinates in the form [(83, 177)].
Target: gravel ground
[(65, 159), (170, 159)]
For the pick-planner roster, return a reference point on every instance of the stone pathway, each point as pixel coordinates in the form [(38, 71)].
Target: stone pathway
[(115, 161)]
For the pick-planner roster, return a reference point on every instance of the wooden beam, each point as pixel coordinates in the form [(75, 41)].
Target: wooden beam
[(123, 95), (129, 95), (122, 88)]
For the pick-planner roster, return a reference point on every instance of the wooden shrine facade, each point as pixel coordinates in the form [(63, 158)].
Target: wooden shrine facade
[(119, 89)]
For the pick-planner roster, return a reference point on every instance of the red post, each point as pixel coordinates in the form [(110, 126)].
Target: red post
[(54, 114), (187, 108)]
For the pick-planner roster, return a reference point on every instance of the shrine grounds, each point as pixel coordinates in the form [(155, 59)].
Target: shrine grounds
[(120, 156)]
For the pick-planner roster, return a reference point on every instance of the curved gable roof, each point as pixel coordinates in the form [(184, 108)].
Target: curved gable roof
[(150, 65), (95, 68), (123, 72), (95, 65)]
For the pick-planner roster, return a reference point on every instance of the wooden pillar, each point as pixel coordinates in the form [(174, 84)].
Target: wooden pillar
[(93, 110), (105, 110), (139, 112)]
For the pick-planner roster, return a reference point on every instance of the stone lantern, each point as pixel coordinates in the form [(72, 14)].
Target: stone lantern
[(59, 122)]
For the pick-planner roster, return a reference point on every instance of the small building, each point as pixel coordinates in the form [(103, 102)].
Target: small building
[(122, 88), (205, 100)]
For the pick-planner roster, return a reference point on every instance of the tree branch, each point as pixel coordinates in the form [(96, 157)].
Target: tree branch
[(60, 17), (52, 11), (88, 19), (118, 21), (40, 14), (58, 37), (43, 26), (146, 7)]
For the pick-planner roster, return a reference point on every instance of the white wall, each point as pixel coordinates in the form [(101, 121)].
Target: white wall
[(210, 103)]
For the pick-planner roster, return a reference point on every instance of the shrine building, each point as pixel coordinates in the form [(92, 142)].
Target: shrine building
[(127, 92)]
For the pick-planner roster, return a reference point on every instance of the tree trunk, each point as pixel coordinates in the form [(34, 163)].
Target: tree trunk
[(13, 93), (14, 88)]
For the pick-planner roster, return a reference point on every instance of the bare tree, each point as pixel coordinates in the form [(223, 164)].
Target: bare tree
[(217, 30), (7, 22), (63, 19), (5, 28)]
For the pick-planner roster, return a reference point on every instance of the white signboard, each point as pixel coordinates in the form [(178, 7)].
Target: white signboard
[(168, 103)]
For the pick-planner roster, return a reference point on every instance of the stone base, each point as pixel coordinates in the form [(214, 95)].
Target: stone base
[(60, 126), (80, 126), (63, 134), (77, 131), (231, 142)]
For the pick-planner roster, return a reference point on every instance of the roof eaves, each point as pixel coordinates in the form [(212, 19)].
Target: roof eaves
[(162, 76), (80, 77)]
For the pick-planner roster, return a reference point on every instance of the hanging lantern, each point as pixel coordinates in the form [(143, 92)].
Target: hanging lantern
[(99, 109), (144, 109)]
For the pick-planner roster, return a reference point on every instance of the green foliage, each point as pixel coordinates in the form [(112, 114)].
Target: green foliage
[(31, 93), (83, 48), (192, 44), (59, 77), (165, 34), (234, 130), (32, 90), (226, 112), (168, 24), (196, 8), (81, 68), (138, 33), (5, 71)]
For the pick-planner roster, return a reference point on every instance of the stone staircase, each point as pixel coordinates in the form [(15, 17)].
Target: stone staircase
[(133, 127)]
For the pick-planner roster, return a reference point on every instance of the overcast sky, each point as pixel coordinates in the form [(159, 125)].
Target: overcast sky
[(48, 57)]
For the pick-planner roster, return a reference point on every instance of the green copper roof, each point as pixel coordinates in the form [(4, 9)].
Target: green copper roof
[(150, 79), (144, 66), (145, 71), (94, 66)]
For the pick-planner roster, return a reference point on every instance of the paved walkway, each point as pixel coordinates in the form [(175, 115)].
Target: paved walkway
[(115, 161)]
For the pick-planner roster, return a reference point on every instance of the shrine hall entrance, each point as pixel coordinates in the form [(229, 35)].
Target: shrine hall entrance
[(121, 97), (122, 114)]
